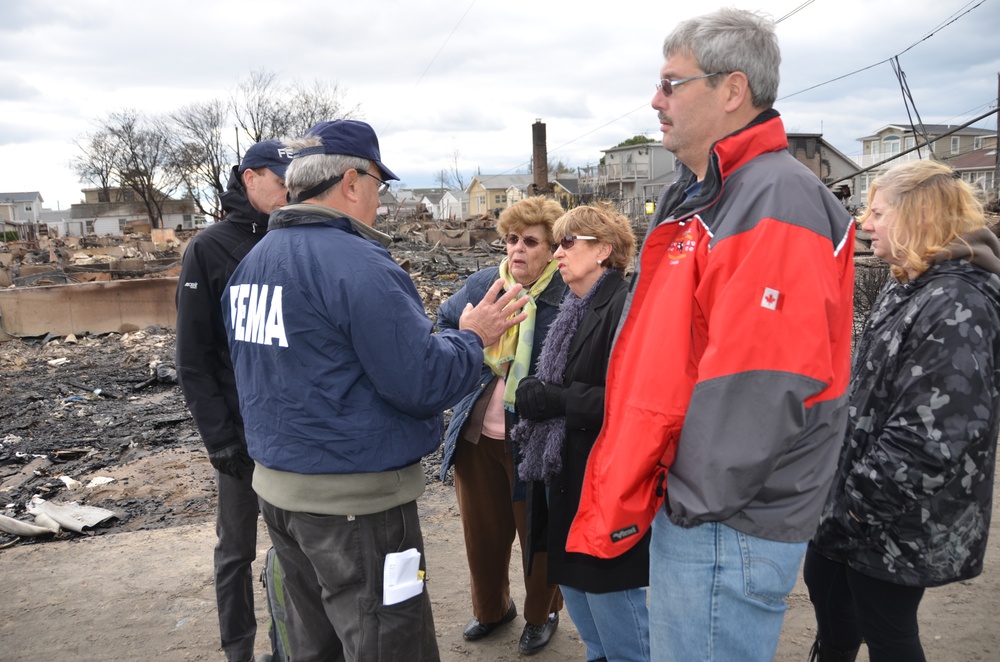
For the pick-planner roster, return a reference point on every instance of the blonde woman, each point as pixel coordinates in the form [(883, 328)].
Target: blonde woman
[(910, 505), (562, 410)]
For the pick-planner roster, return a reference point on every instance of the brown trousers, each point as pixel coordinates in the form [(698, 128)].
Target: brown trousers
[(484, 483)]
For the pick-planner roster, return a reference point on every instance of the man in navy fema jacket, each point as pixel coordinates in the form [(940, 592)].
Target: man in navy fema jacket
[(342, 384)]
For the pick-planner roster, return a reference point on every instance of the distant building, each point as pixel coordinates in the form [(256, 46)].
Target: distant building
[(19, 212), (882, 147), (121, 211), (430, 198), (630, 175), (825, 161), (978, 167), (566, 188), (489, 194), (454, 205)]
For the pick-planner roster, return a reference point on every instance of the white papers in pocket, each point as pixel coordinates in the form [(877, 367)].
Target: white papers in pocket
[(401, 578)]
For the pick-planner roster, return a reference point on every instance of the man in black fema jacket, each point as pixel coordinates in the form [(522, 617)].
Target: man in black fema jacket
[(256, 188)]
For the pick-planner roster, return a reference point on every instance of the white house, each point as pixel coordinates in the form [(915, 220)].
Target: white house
[(19, 213), (118, 211), (454, 205)]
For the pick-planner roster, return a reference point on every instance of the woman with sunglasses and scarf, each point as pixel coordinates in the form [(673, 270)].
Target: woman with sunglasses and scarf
[(562, 410), (910, 503), (491, 500)]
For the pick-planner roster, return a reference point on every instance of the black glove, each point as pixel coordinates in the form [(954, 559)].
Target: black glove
[(536, 401), (233, 461)]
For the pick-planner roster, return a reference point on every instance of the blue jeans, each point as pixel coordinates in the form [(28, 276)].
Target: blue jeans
[(613, 625), (716, 593)]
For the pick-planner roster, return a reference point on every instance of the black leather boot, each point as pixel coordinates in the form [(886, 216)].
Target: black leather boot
[(822, 653)]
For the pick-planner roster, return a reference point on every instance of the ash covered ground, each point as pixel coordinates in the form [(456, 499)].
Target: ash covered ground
[(99, 420)]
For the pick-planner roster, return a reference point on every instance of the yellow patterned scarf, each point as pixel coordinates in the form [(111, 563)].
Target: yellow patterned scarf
[(514, 346)]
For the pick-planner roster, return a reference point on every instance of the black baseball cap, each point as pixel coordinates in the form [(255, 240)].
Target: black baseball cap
[(270, 154)]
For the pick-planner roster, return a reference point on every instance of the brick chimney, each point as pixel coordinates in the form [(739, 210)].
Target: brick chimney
[(539, 160)]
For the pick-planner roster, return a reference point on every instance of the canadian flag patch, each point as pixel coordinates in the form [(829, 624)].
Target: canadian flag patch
[(771, 299)]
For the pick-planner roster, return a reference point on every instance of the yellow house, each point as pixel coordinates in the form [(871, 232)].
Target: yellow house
[(490, 194)]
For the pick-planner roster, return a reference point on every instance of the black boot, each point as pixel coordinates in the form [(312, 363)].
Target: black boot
[(822, 653)]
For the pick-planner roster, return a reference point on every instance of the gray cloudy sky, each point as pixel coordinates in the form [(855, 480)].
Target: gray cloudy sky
[(471, 75)]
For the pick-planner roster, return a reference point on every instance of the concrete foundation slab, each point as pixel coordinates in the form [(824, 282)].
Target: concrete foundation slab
[(100, 307)]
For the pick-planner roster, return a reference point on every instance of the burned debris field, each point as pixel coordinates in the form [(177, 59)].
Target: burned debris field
[(99, 420)]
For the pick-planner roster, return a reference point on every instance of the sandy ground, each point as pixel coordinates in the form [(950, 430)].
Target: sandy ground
[(147, 595)]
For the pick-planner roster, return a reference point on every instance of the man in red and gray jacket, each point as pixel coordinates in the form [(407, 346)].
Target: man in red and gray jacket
[(725, 403)]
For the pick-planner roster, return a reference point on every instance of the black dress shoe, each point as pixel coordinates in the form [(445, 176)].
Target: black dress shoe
[(476, 630), (536, 637)]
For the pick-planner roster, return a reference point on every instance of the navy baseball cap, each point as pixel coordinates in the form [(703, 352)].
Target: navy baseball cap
[(270, 154), (348, 138)]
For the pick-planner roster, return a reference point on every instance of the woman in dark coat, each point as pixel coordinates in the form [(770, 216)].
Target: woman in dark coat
[(910, 504), (562, 410)]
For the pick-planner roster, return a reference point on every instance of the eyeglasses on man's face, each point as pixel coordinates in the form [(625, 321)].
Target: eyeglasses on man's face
[(666, 86), (529, 242), (383, 186), (569, 240)]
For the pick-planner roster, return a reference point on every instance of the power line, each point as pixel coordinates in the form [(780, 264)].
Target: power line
[(951, 18), (895, 156), (795, 11), (441, 48), (948, 21), (908, 100), (444, 43), (922, 39)]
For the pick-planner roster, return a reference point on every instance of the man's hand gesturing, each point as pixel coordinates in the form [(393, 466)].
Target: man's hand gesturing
[(491, 316)]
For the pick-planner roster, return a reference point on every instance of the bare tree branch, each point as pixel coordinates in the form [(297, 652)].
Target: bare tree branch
[(305, 106), (200, 154), (255, 104), (98, 159), (146, 164), (187, 149), (264, 109), (870, 277), (453, 178)]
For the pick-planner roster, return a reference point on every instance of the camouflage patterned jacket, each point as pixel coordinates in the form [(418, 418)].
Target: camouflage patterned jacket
[(911, 500)]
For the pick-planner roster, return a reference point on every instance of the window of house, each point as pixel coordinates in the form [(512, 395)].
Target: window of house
[(496, 200), (909, 142), (977, 142), (865, 181), (122, 224), (873, 147), (955, 142), (481, 201), (90, 227), (890, 145), (27, 207)]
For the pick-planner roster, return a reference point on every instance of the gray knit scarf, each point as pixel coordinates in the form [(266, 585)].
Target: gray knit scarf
[(541, 442)]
